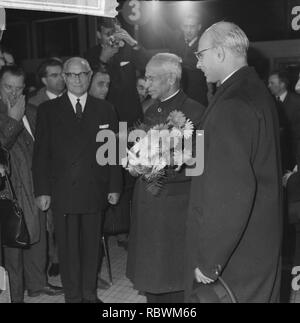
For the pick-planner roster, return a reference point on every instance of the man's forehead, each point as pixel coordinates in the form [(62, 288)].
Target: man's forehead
[(13, 79), (153, 69), (54, 68), (106, 30), (77, 67), (190, 22), (274, 77), (204, 42), (102, 77)]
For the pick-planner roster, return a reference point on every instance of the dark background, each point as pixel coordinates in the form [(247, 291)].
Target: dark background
[(34, 34)]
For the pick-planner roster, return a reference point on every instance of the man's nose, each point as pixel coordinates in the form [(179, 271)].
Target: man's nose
[(199, 64)]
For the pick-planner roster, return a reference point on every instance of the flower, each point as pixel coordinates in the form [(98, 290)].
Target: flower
[(154, 155), (176, 119)]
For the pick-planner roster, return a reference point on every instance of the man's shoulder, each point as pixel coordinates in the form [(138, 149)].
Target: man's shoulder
[(39, 97), (292, 98), (103, 105)]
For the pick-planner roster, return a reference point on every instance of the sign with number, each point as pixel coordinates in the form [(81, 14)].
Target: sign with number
[(294, 15), (104, 8), (136, 12)]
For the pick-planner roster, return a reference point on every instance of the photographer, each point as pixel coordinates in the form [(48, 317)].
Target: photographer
[(120, 55)]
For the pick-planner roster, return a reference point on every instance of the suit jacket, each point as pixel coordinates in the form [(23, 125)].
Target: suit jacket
[(193, 79), (64, 161), (235, 221), (39, 98), (290, 120), (19, 142)]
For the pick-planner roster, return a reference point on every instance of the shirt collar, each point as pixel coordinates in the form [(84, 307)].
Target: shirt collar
[(82, 99), (191, 43), (52, 96), (283, 96), (171, 96), (228, 76)]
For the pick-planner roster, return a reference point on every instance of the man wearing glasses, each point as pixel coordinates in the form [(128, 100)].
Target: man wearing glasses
[(234, 223), (68, 177)]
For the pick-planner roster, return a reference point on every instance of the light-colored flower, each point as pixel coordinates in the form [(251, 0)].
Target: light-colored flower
[(176, 119)]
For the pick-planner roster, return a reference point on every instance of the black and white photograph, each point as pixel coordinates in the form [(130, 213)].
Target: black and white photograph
[(150, 153)]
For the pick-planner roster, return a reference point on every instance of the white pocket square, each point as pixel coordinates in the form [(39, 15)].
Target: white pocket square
[(103, 126), (124, 63)]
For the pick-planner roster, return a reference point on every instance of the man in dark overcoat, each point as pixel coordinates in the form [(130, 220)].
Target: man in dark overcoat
[(234, 225), (157, 235), (68, 176)]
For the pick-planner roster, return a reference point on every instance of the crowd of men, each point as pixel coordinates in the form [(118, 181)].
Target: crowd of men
[(226, 222)]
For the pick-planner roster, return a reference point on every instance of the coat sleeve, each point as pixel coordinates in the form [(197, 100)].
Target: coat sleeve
[(9, 130), (41, 154), (229, 184)]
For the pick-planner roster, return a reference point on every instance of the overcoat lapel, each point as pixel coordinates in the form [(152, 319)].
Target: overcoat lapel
[(221, 91)]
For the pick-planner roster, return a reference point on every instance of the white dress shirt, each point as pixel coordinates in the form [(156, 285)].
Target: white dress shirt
[(73, 98)]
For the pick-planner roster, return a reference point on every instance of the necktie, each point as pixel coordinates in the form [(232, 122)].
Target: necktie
[(78, 108), (278, 98)]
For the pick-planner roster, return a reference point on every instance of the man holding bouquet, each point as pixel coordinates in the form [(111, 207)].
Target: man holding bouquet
[(156, 241)]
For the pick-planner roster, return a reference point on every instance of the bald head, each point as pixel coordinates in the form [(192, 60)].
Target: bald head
[(230, 36), (77, 75), (222, 50)]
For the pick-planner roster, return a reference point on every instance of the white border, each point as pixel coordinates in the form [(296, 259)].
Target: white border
[(103, 8)]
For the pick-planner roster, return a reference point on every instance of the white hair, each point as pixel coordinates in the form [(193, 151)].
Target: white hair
[(229, 35), (78, 60), (170, 63)]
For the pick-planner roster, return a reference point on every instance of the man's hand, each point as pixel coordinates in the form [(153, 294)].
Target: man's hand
[(16, 110), (202, 278), (43, 202), (122, 34), (2, 170), (107, 53), (113, 198)]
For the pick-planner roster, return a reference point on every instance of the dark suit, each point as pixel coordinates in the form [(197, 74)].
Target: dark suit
[(65, 167), (235, 218), (289, 117), (193, 79), (157, 236)]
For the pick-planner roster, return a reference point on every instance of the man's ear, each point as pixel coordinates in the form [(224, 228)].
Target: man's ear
[(44, 81), (220, 53), (199, 27), (98, 35)]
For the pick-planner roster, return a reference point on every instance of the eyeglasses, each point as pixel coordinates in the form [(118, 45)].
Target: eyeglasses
[(200, 53), (80, 75), (55, 75)]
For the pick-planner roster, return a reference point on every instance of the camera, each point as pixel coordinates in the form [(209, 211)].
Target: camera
[(113, 41)]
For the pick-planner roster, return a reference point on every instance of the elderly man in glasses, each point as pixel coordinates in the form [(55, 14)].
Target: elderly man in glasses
[(68, 177)]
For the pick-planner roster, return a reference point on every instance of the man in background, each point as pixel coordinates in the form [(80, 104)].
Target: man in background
[(288, 106), (193, 80)]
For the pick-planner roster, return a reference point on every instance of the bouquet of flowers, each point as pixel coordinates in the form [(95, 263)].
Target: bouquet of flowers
[(159, 151)]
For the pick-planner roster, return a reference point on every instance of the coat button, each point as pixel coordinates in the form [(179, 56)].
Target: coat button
[(159, 110)]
